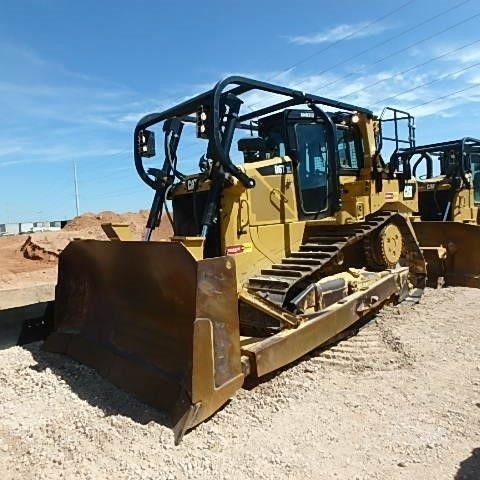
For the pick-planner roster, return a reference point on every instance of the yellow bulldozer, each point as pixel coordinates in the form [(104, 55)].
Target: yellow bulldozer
[(448, 182), (271, 258)]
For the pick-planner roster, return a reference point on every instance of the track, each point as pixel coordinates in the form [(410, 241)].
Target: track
[(280, 283)]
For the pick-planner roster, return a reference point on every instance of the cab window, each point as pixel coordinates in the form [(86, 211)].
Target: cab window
[(350, 151), (475, 159), (313, 159)]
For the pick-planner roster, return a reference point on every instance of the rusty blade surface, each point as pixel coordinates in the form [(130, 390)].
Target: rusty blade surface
[(459, 242), (137, 311)]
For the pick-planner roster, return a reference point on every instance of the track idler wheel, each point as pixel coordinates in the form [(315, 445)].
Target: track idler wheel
[(384, 250)]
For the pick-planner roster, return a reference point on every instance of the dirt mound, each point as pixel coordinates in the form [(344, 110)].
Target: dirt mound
[(90, 223), (47, 246), (88, 220), (33, 259)]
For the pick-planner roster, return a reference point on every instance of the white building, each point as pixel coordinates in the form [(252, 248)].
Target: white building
[(9, 228), (31, 227)]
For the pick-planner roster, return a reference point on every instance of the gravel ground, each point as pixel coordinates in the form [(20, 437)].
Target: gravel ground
[(401, 400)]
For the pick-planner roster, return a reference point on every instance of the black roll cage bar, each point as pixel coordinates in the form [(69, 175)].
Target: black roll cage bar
[(212, 98), (464, 147), (216, 101)]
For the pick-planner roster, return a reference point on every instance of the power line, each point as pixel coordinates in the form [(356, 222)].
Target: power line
[(421, 24), (346, 37), (436, 34), (443, 77), (336, 42), (382, 43), (402, 72), (451, 94)]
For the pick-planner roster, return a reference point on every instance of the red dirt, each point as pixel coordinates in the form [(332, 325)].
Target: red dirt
[(18, 271), (91, 223)]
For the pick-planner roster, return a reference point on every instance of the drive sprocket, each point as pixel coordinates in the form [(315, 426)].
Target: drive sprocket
[(384, 250)]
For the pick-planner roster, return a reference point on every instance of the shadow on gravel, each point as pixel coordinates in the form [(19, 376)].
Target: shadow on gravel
[(90, 386), (470, 467), (93, 388)]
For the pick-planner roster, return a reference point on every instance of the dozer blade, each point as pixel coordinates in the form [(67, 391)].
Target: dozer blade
[(154, 321), (450, 249)]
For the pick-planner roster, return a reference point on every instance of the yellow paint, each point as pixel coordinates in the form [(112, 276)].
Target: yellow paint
[(248, 247), (262, 225), (117, 231)]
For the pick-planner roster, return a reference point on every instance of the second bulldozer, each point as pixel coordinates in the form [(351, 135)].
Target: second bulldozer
[(271, 258), (449, 209)]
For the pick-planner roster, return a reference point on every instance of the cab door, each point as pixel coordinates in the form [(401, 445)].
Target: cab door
[(313, 172)]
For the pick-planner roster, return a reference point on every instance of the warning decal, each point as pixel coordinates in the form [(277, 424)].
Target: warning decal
[(234, 249), (240, 248)]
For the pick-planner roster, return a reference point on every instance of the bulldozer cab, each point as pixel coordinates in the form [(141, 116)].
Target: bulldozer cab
[(295, 133)]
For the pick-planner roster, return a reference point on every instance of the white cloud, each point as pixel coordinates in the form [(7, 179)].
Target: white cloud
[(9, 147), (458, 55), (132, 117), (340, 32), (18, 52), (38, 89), (474, 79), (26, 153)]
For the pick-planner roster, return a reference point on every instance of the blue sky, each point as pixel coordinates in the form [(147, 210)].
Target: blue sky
[(77, 76)]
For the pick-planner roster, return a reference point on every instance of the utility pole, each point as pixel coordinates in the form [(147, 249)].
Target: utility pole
[(76, 185)]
